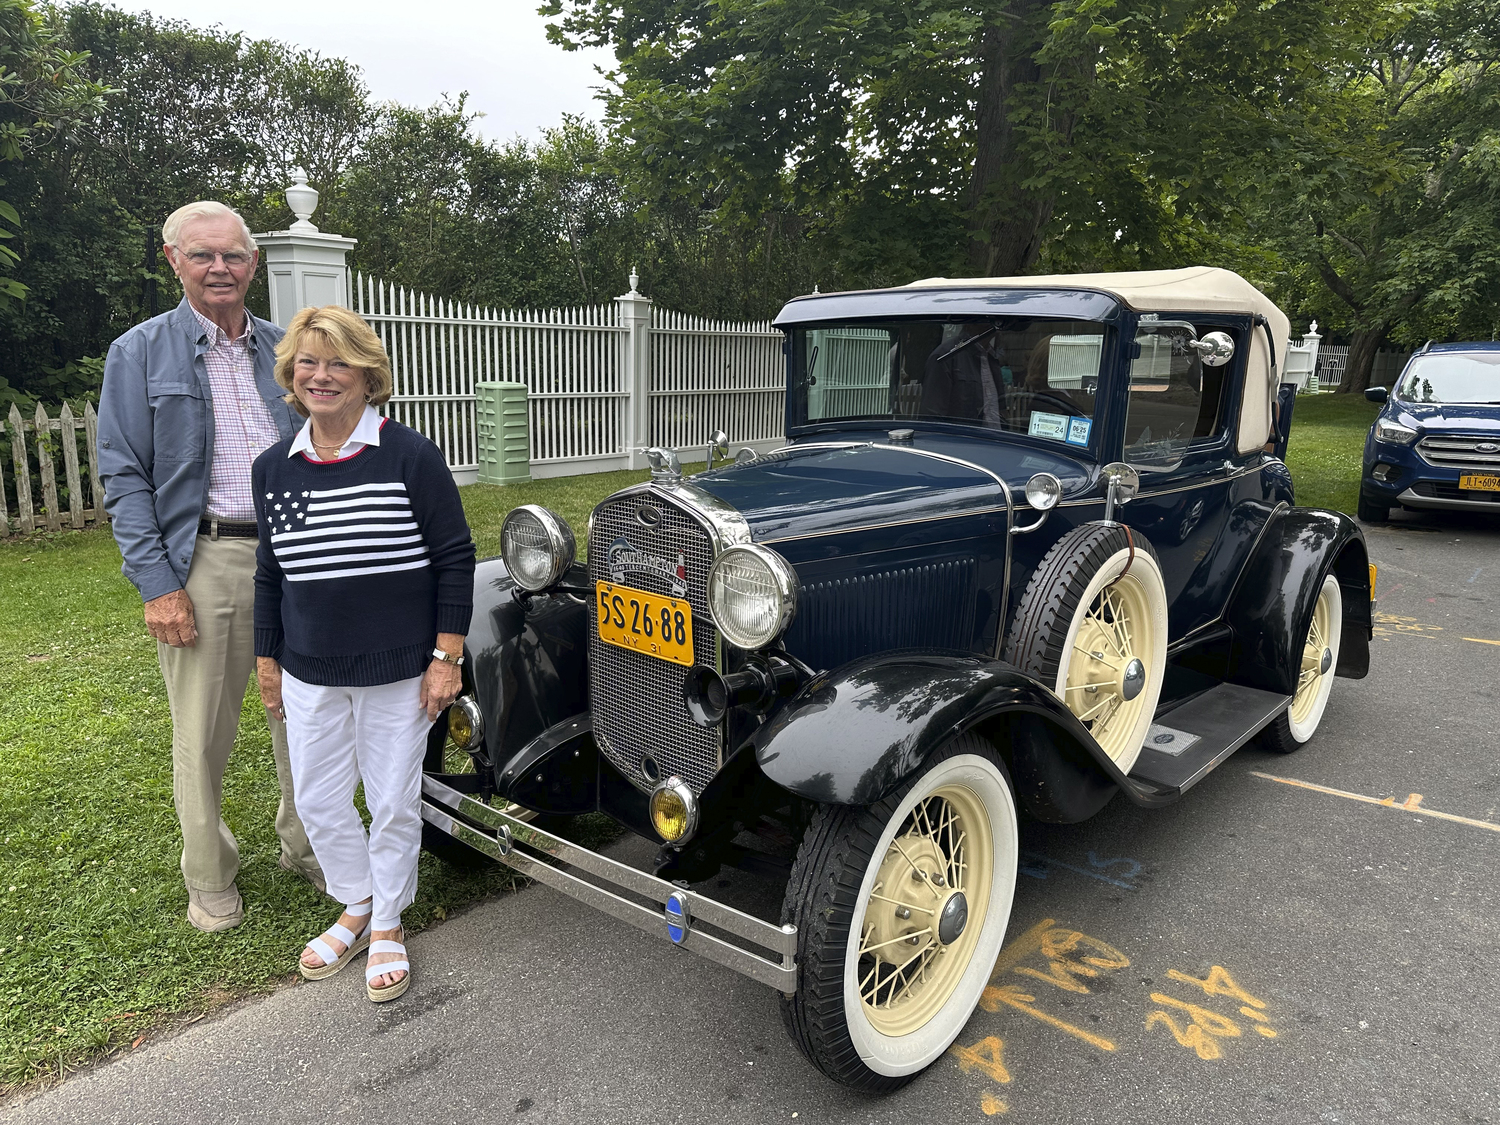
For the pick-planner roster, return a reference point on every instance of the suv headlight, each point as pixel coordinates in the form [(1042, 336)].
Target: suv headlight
[(537, 546), (752, 595), (1394, 432)]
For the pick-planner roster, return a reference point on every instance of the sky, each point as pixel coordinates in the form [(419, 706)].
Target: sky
[(497, 50)]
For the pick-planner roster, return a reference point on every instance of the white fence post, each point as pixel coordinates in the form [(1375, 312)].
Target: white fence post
[(304, 266), (635, 367)]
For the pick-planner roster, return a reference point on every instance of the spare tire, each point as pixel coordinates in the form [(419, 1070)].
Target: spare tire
[(1092, 626)]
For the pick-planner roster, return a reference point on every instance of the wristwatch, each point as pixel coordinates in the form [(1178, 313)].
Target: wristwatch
[(446, 658)]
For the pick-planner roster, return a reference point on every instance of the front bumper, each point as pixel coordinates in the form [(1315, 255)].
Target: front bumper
[(772, 959)]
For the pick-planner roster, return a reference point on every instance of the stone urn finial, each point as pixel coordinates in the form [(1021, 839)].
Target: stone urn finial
[(303, 200)]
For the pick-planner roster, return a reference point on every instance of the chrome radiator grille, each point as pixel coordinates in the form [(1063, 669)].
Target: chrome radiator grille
[(1460, 452), (636, 699)]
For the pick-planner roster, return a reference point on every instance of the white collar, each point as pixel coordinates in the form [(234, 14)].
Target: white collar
[(366, 432)]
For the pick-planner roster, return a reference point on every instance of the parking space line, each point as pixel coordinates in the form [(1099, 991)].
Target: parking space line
[(1481, 641), (1412, 804)]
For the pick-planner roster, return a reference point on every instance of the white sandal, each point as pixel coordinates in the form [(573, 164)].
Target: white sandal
[(354, 944), (390, 992)]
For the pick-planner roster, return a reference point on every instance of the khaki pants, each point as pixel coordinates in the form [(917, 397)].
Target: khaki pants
[(206, 689)]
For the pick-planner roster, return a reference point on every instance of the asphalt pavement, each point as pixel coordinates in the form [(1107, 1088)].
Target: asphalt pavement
[(1313, 937)]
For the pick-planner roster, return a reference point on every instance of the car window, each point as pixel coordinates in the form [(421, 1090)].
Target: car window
[(1016, 374), (1175, 399), (1452, 377)]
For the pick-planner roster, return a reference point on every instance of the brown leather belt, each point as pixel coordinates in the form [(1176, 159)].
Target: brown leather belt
[(224, 529)]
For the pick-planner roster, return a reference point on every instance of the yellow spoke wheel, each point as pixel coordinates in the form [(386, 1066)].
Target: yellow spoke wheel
[(901, 909), (1092, 626), (1317, 662)]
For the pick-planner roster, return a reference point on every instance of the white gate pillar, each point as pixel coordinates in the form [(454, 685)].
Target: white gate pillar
[(635, 370), (304, 266)]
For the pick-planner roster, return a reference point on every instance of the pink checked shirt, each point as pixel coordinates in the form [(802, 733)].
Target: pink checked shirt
[(243, 427)]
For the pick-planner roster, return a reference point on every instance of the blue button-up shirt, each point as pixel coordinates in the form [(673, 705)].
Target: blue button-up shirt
[(156, 440)]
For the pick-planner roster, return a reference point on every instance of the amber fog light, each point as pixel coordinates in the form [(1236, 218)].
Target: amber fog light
[(674, 811), (465, 723)]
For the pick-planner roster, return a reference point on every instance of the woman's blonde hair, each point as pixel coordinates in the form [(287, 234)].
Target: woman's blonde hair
[(334, 330)]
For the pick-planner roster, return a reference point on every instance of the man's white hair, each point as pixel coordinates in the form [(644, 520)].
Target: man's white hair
[(171, 230)]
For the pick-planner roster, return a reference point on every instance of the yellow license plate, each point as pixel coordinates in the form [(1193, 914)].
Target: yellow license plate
[(650, 623), (1479, 483)]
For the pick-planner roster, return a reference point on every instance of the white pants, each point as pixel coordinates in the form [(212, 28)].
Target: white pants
[(339, 736)]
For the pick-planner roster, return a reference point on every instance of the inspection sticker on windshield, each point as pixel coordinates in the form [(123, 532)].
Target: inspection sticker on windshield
[(1078, 430), (1053, 426)]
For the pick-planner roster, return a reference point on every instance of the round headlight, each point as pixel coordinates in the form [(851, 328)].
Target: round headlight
[(465, 723), (1043, 491), (674, 811), (537, 546), (752, 595)]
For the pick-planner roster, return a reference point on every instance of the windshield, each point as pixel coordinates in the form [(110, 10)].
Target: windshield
[(1452, 377), (1016, 374)]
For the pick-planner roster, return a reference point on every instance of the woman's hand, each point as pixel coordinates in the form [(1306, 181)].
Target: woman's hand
[(268, 676), (442, 681)]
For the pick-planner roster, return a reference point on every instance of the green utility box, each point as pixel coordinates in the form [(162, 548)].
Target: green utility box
[(504, 435)]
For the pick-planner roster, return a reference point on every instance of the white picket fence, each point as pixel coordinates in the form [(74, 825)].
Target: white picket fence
[(603, 381)]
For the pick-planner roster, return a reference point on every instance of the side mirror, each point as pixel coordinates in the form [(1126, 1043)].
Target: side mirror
[(1377, 394), (718, 446), (1215, 349), (1124, 483)]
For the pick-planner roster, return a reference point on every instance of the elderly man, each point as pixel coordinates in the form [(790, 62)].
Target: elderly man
[(189, 402)]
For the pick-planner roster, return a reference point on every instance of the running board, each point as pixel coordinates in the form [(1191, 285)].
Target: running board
[(1203, 732), (675, 913)]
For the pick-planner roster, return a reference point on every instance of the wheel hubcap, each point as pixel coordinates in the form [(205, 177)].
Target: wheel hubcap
[(1133, 681), (915, 940), (1326, 662), (953, 918)]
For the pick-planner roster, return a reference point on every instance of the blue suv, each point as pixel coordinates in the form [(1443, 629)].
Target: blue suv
[(1437, 442)]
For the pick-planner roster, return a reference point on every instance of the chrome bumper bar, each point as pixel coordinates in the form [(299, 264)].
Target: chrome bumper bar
[(675, 914)]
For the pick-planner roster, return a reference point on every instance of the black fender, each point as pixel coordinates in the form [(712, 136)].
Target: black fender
[(853, 734), (1271, 607), (526, 659)]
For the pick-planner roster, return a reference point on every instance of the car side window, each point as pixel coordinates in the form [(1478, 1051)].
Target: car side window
[(1175, 400)]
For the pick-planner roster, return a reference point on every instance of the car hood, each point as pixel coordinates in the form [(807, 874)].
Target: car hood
[(816, 489), (1452, 417)]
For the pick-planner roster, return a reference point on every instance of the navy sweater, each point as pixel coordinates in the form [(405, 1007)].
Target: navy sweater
[(362, 561)]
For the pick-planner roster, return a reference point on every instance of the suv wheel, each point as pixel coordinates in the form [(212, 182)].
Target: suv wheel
[(1320, 656), (1092, 626), (900, 910)]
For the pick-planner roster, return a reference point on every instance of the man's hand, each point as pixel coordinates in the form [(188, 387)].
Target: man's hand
[(169, 619), (268, 676)]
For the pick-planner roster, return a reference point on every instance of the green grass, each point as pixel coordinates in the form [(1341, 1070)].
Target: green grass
[(94, 943), (1328, 441)]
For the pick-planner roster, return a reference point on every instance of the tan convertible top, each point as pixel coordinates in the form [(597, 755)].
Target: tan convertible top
[(1191, 290)]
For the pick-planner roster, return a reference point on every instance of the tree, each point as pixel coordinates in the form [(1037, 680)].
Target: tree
[(1386, 206), (43, 94), (978, 136)]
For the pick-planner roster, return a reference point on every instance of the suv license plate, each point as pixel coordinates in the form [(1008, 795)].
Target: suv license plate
[(1479, 483), (650, 623)]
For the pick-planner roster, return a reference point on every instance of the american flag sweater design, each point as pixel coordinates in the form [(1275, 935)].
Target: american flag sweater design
[(362, 561)]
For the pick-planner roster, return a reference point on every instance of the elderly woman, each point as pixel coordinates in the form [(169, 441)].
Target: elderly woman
[(363, 593)]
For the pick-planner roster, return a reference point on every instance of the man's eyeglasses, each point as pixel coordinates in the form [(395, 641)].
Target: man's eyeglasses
[(234, 259)]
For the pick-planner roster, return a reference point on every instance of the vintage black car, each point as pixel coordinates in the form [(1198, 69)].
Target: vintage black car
[(1031, 544)]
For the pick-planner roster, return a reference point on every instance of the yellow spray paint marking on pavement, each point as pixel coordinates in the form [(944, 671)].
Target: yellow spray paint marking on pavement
[(1481, 641), (1412, 803), (1389, 625), (1075, 963)]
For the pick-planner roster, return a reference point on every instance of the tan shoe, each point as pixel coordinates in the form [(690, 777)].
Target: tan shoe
[(213, 911), (313, 875)]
